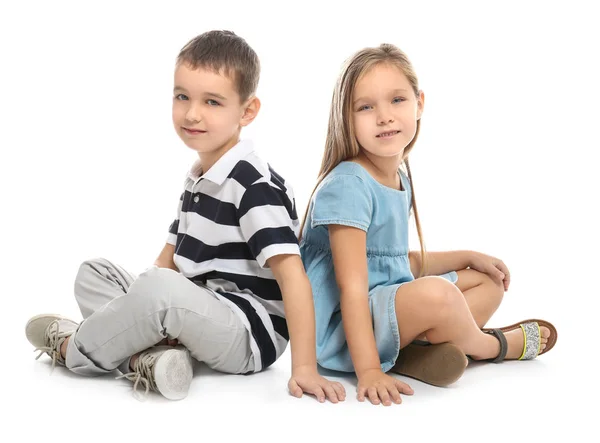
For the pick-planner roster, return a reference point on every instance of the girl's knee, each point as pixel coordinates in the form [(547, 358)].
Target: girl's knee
[(495, 289), (481, 278), (470, 278), (445, 296), (436, 293)]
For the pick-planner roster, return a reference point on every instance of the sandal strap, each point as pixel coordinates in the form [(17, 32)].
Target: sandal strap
[(503, 345), (531, 339)]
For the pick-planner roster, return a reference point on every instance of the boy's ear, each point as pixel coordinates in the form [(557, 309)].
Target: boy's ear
[(250, 111)]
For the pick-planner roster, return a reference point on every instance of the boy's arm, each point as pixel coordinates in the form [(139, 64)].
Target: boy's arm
[(165, 258), (300, 316), (266, 214), (299, 308)]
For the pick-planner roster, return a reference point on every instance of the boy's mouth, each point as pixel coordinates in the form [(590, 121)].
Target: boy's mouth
[(387, 134), (192, 131)]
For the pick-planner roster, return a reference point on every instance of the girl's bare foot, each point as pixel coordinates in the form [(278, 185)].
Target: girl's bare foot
[(515, 340)]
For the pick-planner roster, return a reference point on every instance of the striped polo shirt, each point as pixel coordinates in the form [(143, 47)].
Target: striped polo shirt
[(230, 221)]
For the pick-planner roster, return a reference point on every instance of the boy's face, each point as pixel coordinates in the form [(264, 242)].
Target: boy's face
[(385, 111), (207, 112)]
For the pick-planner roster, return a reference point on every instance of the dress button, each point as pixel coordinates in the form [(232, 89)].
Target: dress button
[(196, 198)]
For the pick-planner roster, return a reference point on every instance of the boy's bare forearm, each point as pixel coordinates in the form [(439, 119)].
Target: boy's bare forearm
[(439, 262), (300, 314), (299, 308)]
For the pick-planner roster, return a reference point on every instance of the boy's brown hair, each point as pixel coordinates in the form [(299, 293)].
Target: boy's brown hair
[(225, 53)]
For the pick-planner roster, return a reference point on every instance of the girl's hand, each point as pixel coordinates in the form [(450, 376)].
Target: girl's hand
[(492, 266), (379, 387), (307, 379)]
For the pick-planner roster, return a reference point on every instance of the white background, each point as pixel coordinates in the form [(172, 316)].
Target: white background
[(505, 164)]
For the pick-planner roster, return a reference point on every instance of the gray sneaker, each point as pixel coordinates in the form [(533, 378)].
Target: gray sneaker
[(47, 332), (167, 370)]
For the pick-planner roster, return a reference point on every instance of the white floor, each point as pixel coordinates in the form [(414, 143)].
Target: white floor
[(505, 164), (520, 400)]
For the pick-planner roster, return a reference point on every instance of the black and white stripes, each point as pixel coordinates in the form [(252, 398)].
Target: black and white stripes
[(230, 221)]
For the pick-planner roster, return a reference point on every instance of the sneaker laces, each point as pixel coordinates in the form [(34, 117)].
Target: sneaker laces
[(142, 373), (53, 339)]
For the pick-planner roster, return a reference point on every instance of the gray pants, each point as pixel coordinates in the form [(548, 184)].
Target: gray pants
[(124, 315)]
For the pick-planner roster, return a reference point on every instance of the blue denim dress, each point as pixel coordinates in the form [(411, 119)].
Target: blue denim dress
[(350, 196)]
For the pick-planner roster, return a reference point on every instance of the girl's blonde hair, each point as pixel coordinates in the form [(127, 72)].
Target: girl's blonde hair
[(341, 143)]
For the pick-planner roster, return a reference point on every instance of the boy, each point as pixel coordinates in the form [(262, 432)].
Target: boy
[(231, 265)]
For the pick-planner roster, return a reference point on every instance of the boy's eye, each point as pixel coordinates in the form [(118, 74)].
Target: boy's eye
[(398, 100), (212, 102), (181, 97)]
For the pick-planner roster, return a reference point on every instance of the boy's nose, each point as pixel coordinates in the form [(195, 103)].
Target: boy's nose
[(193, 115)]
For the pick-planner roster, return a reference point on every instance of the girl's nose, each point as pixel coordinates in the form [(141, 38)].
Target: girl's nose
[(384, 117), (384, 120)]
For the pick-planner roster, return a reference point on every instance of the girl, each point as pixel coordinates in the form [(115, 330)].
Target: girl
[(354, 244)]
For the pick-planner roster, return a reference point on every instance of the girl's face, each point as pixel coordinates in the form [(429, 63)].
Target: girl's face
[(385, 111)]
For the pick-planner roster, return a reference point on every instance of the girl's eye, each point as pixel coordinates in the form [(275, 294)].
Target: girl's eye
[(364, 107), (181, 97), (212, 102)]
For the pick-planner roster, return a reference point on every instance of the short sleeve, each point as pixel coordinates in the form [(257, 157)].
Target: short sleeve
[(342, 200), (174, 228), (269, 221), (407, 187)]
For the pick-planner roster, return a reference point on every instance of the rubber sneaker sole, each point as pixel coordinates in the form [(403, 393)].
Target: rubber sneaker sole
[(173, 373)]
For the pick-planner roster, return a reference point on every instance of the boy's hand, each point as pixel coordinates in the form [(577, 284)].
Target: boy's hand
[(307, 379), (379, 387)]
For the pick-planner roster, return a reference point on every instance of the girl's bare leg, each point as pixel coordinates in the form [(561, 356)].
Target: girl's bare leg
[(437, 308), (482, 294)]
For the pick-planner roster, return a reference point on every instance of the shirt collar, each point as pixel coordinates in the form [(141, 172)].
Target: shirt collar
[(223, 167)]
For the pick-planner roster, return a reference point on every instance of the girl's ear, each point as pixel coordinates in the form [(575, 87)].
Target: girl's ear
[(420, 104), (250, 111)]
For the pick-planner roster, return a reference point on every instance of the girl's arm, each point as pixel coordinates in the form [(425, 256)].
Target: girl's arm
[(440, 262), (348, 246), (300, 316)]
